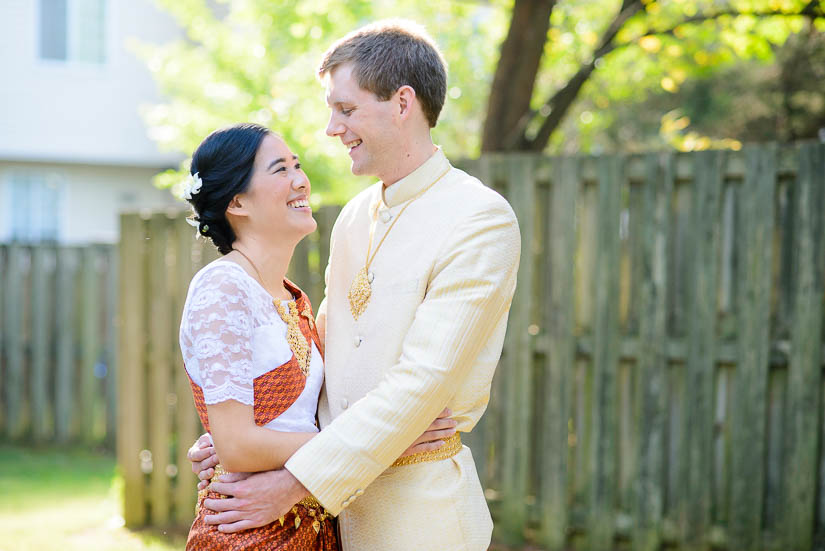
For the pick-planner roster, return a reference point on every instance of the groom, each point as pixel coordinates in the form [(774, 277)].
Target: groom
[(421, 274)]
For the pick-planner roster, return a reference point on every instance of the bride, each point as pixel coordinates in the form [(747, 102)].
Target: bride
[(250, 345)]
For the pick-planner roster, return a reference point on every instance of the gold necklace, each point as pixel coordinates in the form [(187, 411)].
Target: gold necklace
[(360, 291), (294, 337)]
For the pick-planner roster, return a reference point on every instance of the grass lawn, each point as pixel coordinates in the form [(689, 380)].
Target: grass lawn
[(67, 500)]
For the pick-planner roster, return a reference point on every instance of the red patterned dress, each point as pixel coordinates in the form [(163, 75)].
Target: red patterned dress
[(235, 346)]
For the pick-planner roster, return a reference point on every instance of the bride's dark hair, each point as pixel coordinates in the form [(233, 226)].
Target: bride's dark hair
[(224, 162)]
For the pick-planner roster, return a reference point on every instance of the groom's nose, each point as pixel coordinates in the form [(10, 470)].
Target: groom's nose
[(334, 128)]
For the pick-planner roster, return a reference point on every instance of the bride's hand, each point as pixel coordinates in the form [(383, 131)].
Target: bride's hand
[(433, 438), (203, 457)]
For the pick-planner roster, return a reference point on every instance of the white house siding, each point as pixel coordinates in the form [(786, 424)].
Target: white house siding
[(90, 199), (75, 126)]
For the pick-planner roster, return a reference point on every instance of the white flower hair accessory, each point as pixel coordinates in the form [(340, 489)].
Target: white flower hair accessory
[(193, 186)]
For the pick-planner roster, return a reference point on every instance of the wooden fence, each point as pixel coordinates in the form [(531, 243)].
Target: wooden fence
[(57, 345), (661, 379)]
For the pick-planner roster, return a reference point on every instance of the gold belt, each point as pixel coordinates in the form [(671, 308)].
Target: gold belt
[(451, 447)]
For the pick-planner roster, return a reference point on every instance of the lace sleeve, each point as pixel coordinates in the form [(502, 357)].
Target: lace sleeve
[(216, 340)]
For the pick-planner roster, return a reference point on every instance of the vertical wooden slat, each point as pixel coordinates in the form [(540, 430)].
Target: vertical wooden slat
[(90, 342), (160, 338), (698, 429), (187, 424), (110, 289), (4, 252), (648, 505), (602, 460), (751, 376), (13, 320), (41, 299), (805, 371), (131, 431), (515, 456), (558, 286), (65, 410)]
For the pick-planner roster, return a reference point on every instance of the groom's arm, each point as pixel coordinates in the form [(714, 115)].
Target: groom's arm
[(468, 295)]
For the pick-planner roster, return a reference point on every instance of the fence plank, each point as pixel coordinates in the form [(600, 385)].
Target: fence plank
[(602, 460), (131, 432), (698, 432), (65, 411), (652, 365), (41, 298), (187, 424), (111, 346), (13, 320), (751, 376), (89, 342), (515, 456), (160, 360), (805, 373), (558, 284)]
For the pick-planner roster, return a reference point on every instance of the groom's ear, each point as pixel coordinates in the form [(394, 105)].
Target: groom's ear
[(406, 100)]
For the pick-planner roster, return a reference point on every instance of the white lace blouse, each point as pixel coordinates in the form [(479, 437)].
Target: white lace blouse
[(230, 333)]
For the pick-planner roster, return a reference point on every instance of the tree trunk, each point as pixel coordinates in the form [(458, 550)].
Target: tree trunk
[(515, 75)]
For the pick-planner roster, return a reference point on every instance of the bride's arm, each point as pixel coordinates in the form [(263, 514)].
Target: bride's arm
[(244, 446)]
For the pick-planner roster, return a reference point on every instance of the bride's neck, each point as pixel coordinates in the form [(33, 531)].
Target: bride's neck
[(271, 259)]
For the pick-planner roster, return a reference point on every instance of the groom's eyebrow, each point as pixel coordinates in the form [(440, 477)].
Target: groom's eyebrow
[(280, 160)]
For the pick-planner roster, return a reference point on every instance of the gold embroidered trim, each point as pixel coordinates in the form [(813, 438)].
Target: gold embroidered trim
[(310, 503), (297, 342), (451, 447), (360, 290)]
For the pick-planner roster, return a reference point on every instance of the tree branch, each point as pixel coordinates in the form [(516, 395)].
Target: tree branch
[(812, 11), (561, 101)]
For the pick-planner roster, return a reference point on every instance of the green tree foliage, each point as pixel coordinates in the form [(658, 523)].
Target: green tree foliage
[(255, 60)]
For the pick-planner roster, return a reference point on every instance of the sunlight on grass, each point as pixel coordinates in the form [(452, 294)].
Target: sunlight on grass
[(67, 501)]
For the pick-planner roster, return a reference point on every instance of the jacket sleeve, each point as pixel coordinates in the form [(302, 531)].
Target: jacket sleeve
[(469, 292)]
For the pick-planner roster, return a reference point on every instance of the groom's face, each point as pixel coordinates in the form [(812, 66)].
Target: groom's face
[(367, 126)]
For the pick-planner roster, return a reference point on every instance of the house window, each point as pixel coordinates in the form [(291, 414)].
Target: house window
[(34, 206), (73, 30)]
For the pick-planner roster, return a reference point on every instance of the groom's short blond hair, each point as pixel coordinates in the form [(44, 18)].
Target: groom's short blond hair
[(390, 54)]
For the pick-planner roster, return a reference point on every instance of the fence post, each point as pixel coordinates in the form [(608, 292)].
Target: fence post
[(160, 358), (131, 428)]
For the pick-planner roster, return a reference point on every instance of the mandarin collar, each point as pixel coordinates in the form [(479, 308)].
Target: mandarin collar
[(406, 188)]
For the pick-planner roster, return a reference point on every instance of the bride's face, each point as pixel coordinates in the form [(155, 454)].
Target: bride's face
[(278, 196)]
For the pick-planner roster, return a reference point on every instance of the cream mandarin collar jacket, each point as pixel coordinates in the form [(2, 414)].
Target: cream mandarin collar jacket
[(430, 337)]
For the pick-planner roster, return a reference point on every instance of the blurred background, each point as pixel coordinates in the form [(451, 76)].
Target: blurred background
[(662, 373)]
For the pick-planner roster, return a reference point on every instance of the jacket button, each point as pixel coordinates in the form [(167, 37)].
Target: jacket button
[(357, 340), (344, 403), (386, 216), (371, 277)]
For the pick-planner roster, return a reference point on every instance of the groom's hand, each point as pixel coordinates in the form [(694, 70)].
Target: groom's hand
[(254, 501)]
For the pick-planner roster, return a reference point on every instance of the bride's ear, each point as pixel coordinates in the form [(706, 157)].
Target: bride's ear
[(236, 206)]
